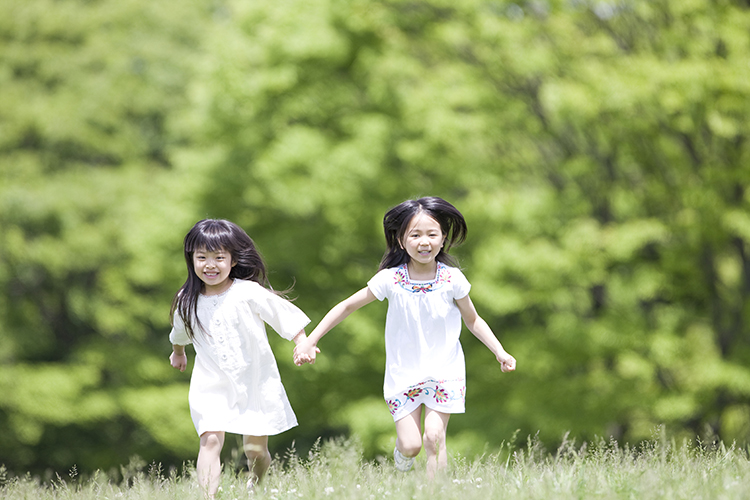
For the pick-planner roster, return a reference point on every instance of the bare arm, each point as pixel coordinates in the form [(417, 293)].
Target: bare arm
[(307, 349), (483, 332)]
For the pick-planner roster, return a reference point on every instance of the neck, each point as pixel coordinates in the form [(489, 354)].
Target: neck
[(422, 272), (218, 290)]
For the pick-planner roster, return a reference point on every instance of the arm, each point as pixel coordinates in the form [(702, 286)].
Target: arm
[(307, 349), (299, 337), (482, 331), (178, 358)]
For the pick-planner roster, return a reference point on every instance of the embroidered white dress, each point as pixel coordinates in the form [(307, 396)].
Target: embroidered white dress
[(423, 354), (235, 386)]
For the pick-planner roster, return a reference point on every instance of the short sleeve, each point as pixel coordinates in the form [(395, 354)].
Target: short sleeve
[(284, 317), (380, 284), (461, 285), (178, 335)]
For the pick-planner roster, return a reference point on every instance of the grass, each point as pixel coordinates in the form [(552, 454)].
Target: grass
[(659, 469)]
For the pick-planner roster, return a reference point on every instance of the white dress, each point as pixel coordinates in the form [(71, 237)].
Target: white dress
[(422, 331), (235, 386)]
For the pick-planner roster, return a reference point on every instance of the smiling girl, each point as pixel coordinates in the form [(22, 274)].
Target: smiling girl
[(428, 296), (222, 310)]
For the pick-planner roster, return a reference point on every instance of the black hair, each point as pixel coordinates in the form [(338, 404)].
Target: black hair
[(396, 221), (214, 235)]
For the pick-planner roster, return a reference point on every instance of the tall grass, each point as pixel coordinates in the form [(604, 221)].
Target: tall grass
[(659, 469)]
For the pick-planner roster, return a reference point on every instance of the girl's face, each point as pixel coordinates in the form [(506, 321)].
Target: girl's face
[(213, 269), (423, 240)]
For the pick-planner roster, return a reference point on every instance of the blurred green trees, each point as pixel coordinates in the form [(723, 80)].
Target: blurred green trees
[(89, 110), (597, 149)]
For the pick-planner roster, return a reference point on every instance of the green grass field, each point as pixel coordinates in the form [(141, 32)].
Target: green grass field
[(660, 469)]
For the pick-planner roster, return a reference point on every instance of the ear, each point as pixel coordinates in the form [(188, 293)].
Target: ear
[(234, 262)]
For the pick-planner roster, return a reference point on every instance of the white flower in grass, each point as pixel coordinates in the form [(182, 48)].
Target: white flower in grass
[(329, 490)]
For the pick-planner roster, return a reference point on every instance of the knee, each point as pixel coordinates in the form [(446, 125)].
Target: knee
[(256, 452), (212, 441), (434, 437), (410, 447)]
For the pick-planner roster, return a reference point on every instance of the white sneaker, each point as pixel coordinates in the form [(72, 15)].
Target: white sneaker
[(404, 464)]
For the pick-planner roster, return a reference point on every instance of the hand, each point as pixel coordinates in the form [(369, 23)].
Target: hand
[(507, 362), (178, 361), (305, 352)]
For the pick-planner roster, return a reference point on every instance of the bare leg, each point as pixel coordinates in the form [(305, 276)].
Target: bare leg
[(435, 427), (258, 456), (208, 465), (409, 433)]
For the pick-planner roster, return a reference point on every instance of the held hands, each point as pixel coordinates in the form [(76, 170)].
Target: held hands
[(305, 352)]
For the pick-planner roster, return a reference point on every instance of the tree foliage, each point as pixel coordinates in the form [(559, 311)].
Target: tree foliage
[(597, 149), (91, 91)]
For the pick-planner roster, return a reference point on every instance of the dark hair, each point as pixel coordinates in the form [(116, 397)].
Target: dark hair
[(397, 219), (213, 235)]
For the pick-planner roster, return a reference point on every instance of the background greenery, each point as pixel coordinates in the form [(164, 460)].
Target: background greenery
[(597, 149)]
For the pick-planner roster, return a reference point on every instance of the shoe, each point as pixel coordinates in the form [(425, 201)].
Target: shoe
[(404, 464), (251, 485)]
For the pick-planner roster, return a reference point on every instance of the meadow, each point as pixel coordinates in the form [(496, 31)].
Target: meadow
[(335, 469)]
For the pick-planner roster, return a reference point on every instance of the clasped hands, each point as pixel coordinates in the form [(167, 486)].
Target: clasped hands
[(305, 352)]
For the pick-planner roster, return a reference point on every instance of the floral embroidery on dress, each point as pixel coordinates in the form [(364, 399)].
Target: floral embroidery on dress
[(442, 276), (393, 405), (413, 393), (428, 387), (441, 395)]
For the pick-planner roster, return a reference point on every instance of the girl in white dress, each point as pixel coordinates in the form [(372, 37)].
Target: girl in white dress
[(428, 296), (222, 310)]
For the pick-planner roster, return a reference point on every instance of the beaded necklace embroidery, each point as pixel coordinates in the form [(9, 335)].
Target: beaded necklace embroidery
[(442, 276)]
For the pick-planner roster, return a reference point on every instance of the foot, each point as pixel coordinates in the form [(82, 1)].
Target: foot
[(251, 484), (404, 464)]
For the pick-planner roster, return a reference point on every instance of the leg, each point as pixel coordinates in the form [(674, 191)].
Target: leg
[(409, 433), (208, 465), (258, 456), (408, 440), (435, 427)]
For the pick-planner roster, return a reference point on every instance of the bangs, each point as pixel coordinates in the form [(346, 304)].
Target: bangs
[(213, 238)]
